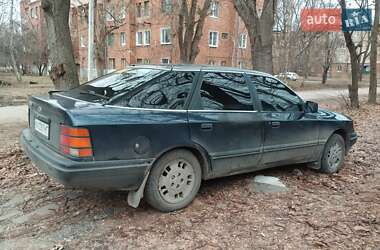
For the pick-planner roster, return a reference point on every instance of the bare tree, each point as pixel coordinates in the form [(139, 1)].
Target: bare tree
[(364, 51), (260, 30), (191, 20), (109, 18), (331, 44), (63, 72), (11, 44), (355, 63), (373, 59)]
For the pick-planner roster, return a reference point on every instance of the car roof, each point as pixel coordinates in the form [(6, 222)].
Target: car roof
[(200, 67)]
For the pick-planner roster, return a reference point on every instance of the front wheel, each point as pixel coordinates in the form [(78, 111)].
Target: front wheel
[(333, 154), (174, 181)]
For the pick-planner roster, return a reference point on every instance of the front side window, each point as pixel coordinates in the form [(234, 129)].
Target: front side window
[(225, 91), (213, 39), (167, 91), (275, 96)]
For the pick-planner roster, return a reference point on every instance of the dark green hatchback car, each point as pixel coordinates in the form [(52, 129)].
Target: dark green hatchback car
[(158, 131)]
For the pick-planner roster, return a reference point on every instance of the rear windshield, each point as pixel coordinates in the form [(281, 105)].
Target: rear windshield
[(139, 88), (110, 86)]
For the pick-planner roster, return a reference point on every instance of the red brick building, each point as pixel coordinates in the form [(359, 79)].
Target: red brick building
[(146, 33)]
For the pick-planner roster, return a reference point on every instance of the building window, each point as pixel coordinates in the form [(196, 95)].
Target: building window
[(146, 8), (166, 6), (110, 14), (165, 36), (146, 61), (143, 38), (214, 9), (211, 62), (123, 12), (139, 61), (111, 39), (123, 63), (213, 39), (243, 41), (122, 39), (147, 37), (139, 38), (165, 61), (111, 63), (82, 43), (224, 35), (138, 10), (33, 12)]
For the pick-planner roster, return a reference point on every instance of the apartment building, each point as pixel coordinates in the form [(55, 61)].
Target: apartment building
[(144, 32)]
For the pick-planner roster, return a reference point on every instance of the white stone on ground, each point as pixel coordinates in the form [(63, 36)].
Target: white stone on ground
[(268, 184)]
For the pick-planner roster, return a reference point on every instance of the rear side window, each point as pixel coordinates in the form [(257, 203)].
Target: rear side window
[(225, 91), (275, 96), (167, 91)]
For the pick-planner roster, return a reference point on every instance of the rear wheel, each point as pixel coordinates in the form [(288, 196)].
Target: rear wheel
[(174, 181), (333, 154)]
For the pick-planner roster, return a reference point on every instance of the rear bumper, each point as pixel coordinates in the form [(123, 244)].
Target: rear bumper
[(119, 175)]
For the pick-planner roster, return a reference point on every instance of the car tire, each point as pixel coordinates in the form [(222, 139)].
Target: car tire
[(174, 181), (333, 155)]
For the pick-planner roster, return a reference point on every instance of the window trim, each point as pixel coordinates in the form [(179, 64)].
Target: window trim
[(217, 39)]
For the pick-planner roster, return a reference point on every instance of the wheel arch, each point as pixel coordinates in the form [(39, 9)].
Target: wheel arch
[(199, 152), (342, 132)]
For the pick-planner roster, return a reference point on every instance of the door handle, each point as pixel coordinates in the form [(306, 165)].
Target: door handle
[(275, 124), (206, 126)]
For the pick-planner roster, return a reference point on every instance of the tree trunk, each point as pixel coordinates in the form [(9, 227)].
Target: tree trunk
[(260, 30), (373, 58), (324, 74), (63, 72), (190, 30), (11, 45)]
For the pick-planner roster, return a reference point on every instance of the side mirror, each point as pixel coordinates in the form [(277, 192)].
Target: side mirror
[(311, 107)]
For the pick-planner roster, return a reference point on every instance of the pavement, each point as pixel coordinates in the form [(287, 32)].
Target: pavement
[(19, 114)]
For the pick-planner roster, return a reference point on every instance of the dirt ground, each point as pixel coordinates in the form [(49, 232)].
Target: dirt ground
[(341, 211), (17, 92)]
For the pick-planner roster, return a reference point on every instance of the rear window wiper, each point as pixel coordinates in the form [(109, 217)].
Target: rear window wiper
[(90, 92)]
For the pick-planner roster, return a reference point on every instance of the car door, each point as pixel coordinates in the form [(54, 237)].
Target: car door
[(290, 136), (224, 121)]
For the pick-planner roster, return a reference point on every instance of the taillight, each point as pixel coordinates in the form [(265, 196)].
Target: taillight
[(75, 141)]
